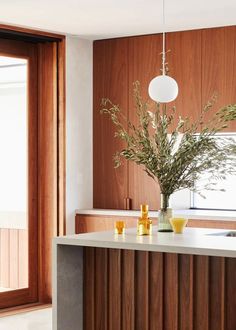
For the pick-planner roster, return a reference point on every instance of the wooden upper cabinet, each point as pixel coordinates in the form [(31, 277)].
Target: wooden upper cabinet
[(110, 81), (201, 61), (184, 63), (219, 67), (144, 64)]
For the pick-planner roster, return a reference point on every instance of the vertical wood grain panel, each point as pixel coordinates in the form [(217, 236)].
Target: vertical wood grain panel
[(201, 293), (156, 291), (14, 258), (185, 291), (128, 290), (47, 164), (89, 286), (23, 258), (144, 64), (170, 291), (184, 62), (230, 299), (216, 293), (61, 62), (114, 283), (5, 258), (101, 289), (141, 290), (219, 67), (110, 81)]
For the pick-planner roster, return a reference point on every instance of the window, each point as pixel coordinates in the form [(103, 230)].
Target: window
[(217, 200)]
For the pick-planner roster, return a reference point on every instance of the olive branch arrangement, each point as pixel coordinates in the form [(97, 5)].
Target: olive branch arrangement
[(175, 157)]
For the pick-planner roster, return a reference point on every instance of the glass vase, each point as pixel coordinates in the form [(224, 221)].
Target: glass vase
[(165, 214)]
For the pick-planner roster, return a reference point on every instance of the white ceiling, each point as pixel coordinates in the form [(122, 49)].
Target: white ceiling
[(93, 19)]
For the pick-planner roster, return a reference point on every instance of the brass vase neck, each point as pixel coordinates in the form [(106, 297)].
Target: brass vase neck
[(144, 210)]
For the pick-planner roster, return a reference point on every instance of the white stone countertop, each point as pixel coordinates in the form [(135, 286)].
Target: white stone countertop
[(188, 213), (193, 241)]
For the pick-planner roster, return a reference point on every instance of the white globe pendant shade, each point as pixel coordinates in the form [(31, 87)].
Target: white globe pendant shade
[(163, 89)]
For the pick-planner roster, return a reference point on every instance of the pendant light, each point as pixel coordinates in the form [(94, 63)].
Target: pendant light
[(163, 88)]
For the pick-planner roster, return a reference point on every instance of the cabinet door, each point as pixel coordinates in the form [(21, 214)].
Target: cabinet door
[(219, 67), (110, 81), (184, 63), (144, 64)]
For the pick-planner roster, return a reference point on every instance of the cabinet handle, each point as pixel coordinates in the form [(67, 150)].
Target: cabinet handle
[(128, 203), (125, 203)]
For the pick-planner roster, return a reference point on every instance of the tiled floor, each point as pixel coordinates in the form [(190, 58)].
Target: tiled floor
[(36, 320)]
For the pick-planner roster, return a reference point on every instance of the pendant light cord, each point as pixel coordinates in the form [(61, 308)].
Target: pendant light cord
[(163, 39)]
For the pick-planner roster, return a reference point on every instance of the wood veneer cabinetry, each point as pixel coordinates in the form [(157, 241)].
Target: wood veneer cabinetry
[(85, 223), (219, 67), (111, 81), (202, 61), (144, 64), (184, 62)]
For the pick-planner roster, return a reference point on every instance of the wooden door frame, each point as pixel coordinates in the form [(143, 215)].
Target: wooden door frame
[(51, 128)]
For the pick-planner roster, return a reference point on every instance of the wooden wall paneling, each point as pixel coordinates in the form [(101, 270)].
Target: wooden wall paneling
[(170, 291), (101, 289), (131, 290), (142, 290), (185, 292), (128, 290), (184, 63), (5, 257), (219, 67), (230, 296), (216, 293), (23, 261), (156, 286), (47, 163), (110, 81), (14, 258), (144, 64), (89, 288), (114, 283), (201, 293)]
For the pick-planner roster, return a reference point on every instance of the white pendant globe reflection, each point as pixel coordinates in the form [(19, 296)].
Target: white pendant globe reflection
[(163, 89)]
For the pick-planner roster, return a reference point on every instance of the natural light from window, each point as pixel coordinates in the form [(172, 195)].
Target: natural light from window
[(217, 200)]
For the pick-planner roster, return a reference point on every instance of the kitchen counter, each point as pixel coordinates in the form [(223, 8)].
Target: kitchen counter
[(192, 241), (103, 278), (189, 213)]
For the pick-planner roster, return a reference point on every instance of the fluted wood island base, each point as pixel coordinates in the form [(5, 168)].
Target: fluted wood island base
[(145, 283)]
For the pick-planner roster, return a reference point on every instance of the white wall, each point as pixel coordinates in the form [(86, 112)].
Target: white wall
[(78, 127)]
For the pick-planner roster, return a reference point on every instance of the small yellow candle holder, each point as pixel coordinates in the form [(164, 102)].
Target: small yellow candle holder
[(119, 227), (178, 224)]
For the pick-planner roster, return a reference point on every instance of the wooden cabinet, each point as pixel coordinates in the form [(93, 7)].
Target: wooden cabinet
[(86, 223), (219, 67), (184, 62), (144, 64), (201, 61), (111, 81)]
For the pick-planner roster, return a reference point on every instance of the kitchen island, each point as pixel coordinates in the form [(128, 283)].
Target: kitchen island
[(164, 281)]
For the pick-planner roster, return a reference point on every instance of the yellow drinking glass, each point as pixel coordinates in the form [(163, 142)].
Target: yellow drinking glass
[(178, 224), (119, 227)]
